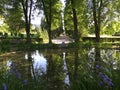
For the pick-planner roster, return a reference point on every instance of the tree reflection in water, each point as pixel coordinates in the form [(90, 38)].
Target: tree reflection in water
[(73, 69), (104, 80), (67, 79), (56, 69)]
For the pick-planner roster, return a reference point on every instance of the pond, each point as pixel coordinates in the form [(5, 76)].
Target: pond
[(69, 69)]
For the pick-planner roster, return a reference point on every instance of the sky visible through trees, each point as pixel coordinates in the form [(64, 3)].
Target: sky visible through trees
[(37, 19)]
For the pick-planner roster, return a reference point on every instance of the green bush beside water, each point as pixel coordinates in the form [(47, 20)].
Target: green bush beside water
[(4, 46)]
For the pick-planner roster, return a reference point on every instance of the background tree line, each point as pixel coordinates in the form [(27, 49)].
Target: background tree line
[(80, 17)]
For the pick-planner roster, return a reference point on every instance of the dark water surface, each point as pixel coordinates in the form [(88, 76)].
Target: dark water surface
[(73, 69)]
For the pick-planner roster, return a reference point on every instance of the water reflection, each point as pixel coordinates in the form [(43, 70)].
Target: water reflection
[(75, 69), (67, 79), (39, 61)]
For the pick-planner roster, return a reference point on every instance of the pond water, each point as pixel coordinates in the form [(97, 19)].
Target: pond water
[(73, 69)]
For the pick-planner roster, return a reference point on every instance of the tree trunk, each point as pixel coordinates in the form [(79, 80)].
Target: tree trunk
[(76, 37), (49, 30), (27, 14), (49, 34), (99, 19), (27, 28), (28, 39), (48, 19), (97, 31)]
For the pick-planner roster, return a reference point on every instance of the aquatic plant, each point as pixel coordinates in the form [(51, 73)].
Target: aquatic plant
[(4, 86), (25, 81), (105, 80), (18, 80)]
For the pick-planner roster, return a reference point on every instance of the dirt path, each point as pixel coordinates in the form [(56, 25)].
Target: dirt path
[(61, 39)]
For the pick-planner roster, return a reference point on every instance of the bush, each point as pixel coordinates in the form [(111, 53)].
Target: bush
[(4, 46), (39, 39), (116, 34)]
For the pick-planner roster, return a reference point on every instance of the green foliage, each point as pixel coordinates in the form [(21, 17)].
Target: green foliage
[(108, 17), (74, 45), (82, 18), (88, 44), (111, 28), (81, 67), (12, 15), (4, 46), (68, 18), (55, 14), (12, 82), (4, 27), (14, 19)]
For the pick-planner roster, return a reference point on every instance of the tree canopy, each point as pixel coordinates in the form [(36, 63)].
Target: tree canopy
[(81, 17)]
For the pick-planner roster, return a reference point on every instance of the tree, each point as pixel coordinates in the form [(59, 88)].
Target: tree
[(76, 18), (97, 17), (1, 6), (68, 21), (112, 20), (27, 6), (48, 16), (104, 14), (76, 37), (13, 19), (50, 11)]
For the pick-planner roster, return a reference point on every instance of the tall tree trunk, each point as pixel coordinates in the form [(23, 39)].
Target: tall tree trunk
[(28, 39), (48, 19), (97, 34), (27, 14), (49, 33), (97, 19), (76, 37)]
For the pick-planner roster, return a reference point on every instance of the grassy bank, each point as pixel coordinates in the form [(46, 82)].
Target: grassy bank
[(6, 46)]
